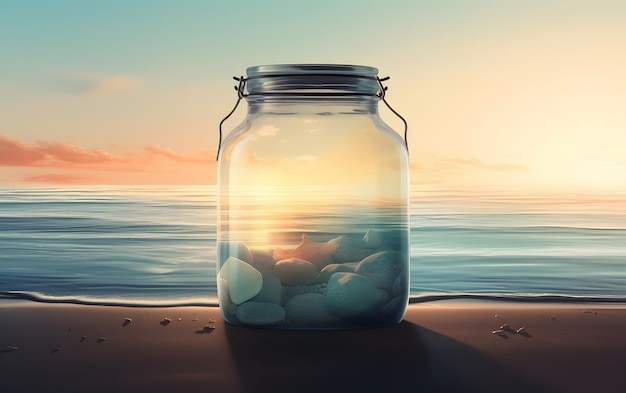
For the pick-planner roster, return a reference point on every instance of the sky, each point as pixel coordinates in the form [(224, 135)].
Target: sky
[(499, 93)]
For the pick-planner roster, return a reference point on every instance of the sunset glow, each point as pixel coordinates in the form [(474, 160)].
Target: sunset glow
[(525, 94)]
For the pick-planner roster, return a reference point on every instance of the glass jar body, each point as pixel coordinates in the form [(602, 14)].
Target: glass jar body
[(313, 217)]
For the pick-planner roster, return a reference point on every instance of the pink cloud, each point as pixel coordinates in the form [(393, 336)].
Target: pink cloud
[(15, 152), (175, 156), (148, 165)]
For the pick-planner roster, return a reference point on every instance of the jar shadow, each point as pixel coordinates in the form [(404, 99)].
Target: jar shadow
[(401, 358)]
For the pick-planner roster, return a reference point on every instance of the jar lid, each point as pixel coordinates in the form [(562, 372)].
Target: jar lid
[(317, 78)]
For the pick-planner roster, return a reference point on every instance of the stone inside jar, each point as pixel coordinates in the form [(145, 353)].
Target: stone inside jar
[(347, 281)]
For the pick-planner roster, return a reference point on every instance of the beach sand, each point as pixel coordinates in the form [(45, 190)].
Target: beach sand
[(441, 346)]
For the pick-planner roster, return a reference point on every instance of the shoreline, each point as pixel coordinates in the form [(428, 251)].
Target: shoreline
[(439, 346), (213, 301)]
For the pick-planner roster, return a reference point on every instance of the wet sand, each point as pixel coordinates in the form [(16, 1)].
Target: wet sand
[(441, 346)]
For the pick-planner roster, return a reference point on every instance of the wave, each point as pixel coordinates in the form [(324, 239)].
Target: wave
[(93, 301), (515, 297), (210, 302)]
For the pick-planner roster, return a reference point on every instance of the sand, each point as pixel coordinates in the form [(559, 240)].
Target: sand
[(441, 346)]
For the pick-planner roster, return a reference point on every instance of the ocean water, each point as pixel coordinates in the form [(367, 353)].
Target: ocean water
[(156, 245)]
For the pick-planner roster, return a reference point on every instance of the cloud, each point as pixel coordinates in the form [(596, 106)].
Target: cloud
[(474, 163), (147, 165), (113, 84), (205, 157), (15, 152), (93, 85)]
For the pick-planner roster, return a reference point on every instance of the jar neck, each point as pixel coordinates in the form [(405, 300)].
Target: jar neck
[(285, 105)]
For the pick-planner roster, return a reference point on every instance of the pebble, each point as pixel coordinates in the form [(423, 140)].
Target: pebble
[(243, 281), (101, 340), (350, 249), (56, 349), (382, 268), (254, 313), (289, 292), (351, 295), (309, 309), (262, 259), (333, 268), (521, 330), (9, 348), (499, 332), (294, 271), (83, 338), (271, 289), (206, 329), (179, 319), (126, 321), (165, 321)]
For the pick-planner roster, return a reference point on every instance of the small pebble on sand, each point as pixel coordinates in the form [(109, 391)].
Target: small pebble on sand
[(165, 321), (195, 319), (83, 338), (9, 348), (499, 332), (126, 321), (101, 340), (56, 349), (179, 319), (206, 329), (521, 330)]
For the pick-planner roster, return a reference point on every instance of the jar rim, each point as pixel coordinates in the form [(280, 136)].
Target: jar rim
[(303, 69)]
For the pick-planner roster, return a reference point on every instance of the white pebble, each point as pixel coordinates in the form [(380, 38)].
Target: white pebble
[(521, 330), (243, 281), (498, 331)]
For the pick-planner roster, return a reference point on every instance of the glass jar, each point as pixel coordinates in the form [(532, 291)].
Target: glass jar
[(313, 203)]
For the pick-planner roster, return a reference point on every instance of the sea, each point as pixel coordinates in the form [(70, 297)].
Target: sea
[(156, 245)]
